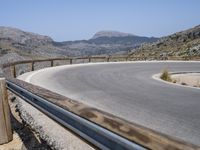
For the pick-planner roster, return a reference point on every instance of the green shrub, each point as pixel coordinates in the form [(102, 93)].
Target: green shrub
[(166, 76)]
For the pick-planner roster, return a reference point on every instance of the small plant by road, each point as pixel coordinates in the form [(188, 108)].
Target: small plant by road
[(166, 76)]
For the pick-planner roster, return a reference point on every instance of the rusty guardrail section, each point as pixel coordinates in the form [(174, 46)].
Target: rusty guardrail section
[(133, 132)]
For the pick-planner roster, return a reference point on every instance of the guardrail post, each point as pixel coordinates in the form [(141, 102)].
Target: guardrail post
[(51, 63), (108, 58), (70, 60), (32, 66), (5, 124), (14, 71)]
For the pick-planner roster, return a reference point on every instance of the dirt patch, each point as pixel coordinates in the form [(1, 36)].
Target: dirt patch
[(187, 79), (15, 144)]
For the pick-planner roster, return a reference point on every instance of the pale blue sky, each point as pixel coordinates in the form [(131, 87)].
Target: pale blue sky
[(80, 19)]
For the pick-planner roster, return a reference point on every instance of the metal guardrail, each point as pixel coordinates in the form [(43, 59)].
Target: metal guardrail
[(104, 135), (98, 136)]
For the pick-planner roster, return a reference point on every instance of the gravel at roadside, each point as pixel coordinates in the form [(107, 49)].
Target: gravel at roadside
[(24, 138)]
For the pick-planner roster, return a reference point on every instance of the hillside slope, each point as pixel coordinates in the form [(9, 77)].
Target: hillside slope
[(13, 40), (184, 43)]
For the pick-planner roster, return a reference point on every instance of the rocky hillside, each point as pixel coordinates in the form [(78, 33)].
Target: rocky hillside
[(13, 40), (26, 38), (184, 43), (26, 44)]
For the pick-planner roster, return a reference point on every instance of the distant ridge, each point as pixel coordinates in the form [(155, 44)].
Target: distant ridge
[(111, 34), (27, 44)]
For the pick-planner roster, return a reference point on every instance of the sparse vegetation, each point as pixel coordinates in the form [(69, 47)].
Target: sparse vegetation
[(184, 44), (186, 79), (166, 76)]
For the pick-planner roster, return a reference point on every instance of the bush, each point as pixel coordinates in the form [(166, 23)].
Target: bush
[(166, 76), (183, 83)]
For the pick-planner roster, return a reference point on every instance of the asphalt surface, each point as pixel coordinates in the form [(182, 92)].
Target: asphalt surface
[(128, 90)]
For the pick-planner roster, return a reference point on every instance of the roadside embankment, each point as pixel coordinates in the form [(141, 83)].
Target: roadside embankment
[(24, 137)]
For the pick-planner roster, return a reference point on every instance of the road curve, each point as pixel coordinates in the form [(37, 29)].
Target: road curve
[(129, 91)]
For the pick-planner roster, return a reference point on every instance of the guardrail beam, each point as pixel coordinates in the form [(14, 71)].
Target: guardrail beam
[(150, 139)]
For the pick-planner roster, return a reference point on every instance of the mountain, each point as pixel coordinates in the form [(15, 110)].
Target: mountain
[(13, 40), (184, 43), (16, 44), (115, 37), (110, 34), (16, 35), (27, 44), (105, 42)]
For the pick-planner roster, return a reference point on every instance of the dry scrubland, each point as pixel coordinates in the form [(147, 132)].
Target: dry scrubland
[(182, 44)]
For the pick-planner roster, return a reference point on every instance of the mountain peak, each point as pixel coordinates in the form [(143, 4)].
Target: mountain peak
[(107, 33)]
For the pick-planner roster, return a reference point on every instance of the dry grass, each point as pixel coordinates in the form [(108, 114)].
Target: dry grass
[(166, 76)]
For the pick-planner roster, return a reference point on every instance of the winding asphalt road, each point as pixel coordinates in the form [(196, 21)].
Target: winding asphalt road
[(129, 91)]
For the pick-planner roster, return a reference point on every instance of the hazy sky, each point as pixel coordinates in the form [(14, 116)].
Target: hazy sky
[(80, 19)]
